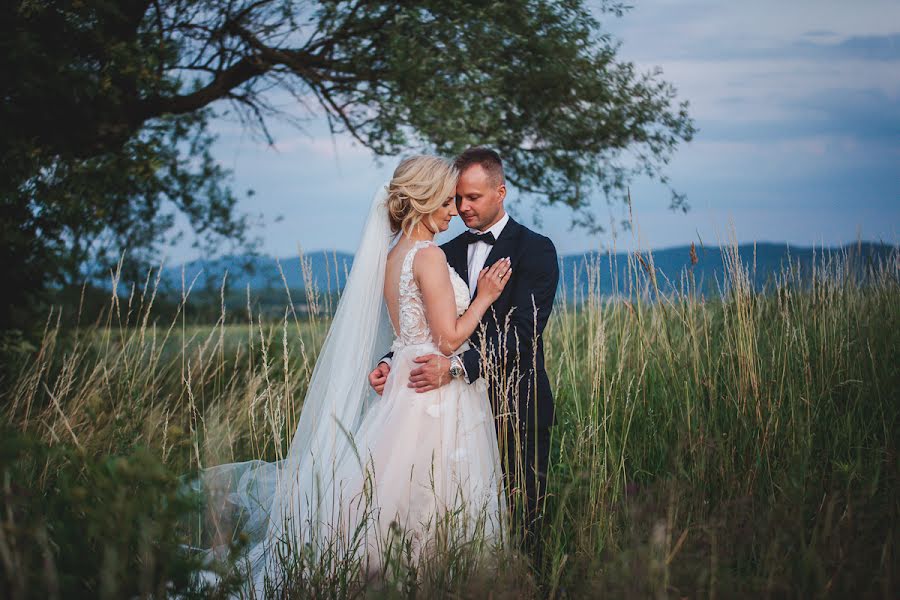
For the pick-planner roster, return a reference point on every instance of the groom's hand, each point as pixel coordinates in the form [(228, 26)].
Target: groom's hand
[(378, 377), (434, 372)]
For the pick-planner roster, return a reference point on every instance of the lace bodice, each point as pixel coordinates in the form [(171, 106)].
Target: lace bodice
[(413, 324)]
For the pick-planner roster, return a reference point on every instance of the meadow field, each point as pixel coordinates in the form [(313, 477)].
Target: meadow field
[(735, 444)]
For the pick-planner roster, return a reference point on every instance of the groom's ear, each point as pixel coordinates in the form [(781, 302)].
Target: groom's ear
[(501, 191)]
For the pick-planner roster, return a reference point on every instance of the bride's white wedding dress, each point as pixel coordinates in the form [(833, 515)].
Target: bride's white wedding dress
[(364, 472), (432, 453)]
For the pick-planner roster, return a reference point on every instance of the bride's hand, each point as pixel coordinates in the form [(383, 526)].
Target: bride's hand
[(492, 280)]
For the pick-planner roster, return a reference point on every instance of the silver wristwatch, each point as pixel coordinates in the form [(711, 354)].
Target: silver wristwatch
[(456, 368)]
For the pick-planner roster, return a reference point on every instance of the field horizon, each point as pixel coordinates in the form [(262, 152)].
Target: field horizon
[(270, 280), (738, 445)]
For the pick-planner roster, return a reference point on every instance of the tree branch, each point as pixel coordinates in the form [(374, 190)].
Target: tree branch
[(240, 72)]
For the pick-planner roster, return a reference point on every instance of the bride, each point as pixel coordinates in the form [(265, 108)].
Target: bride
[(369, 478)]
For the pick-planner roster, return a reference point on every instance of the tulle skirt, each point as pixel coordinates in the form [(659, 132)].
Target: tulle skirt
[(423, 476), (434, 461)]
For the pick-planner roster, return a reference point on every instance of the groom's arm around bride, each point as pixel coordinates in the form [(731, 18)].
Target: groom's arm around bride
[(507, 349), (510, 336), (512, 331)]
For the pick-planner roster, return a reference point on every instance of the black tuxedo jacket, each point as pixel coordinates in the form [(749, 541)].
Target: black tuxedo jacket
[(515, 321)]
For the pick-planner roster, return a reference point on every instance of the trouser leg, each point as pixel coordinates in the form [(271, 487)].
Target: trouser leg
[(537, 449), (527, 459)]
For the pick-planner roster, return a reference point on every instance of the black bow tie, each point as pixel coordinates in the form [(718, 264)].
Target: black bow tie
[(470, 238)]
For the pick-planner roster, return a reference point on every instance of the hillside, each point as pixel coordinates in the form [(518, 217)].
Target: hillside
[(328, 270), (764, 261)]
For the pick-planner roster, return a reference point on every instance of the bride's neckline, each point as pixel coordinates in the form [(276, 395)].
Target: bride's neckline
[(416, 240), (411, 243)]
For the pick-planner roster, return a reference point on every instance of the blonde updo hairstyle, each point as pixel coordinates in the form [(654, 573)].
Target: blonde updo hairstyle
[(420, 185)]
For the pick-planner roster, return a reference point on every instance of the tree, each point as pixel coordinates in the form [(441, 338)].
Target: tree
[(107, 102)]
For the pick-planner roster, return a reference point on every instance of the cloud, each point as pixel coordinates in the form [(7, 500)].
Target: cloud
[(859, 47), (326, 147), (822, 46), (864, 115), (798, 106), (820, 33), (867, 114)]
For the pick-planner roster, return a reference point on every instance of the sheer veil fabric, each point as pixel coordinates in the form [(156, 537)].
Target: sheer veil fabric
[(428, 454), (266, 501)]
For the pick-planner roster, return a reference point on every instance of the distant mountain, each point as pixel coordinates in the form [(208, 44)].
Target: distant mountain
[(328, 270), (763, 263)]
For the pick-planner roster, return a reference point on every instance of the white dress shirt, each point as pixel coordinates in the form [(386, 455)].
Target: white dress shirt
[(478, 252)]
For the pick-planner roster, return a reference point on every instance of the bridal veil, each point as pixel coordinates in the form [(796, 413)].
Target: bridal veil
[(296, 500)]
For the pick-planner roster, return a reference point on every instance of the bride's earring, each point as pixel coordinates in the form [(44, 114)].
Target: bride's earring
[(423, 225)]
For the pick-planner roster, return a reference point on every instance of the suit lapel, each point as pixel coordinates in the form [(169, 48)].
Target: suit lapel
[(504, 245), (458, 257)]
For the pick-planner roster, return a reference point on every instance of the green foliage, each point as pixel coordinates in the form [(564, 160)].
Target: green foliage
[(739, 446), (742, 444), (107, 103), (79, 526)]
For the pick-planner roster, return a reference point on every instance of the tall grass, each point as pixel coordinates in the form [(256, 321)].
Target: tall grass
[(740, 443), (753, 433)]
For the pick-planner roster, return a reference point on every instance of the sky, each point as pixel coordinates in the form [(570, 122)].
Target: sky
[(797, 105)]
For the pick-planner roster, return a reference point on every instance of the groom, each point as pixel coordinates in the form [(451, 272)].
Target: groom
[(507, 350)]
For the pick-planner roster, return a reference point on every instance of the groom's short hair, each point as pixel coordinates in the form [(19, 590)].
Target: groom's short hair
[(487, 158)]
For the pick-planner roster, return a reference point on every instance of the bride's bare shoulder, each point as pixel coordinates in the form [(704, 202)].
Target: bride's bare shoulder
[(430, 255), (430, 259)]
